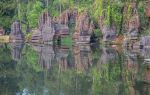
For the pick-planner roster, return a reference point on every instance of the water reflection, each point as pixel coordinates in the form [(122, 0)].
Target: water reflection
[(83, 57), (40, 69), (45, 55), (16, 50)]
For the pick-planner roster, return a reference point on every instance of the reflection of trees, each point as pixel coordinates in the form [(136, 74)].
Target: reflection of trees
[(67, 76), (8, 73), (106, 74), (45, 55), (134, 72)]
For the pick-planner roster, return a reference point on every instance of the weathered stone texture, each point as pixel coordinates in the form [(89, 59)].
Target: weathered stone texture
[(16, 34)]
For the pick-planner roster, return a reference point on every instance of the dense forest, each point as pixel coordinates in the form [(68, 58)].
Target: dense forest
[(28, 11)]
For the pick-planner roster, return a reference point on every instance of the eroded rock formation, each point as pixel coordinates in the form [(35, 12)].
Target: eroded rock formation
[(16, 34), (68, 16), (84, 27), (108, 31), (46, 31)]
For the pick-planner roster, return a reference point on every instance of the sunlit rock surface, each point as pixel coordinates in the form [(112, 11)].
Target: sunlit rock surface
[(49, 30), (61, 30), (84, 28), (46, 31)]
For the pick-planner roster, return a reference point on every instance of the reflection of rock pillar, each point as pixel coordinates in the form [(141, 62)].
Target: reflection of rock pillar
[(46, 55), (16, 50), (77, 58), (109, 55), (61, 56), (83, 58)]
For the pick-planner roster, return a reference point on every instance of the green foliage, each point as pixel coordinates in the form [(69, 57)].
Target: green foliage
[(34, 14), (67, 41), (7, 11), (31, 58)]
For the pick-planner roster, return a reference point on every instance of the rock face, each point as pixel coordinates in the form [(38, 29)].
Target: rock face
[(61, 30), (2, 31), (68, 16), (145, 41), (16, 34), (147, 9), (46, 31), (84, 28), (108, 31)]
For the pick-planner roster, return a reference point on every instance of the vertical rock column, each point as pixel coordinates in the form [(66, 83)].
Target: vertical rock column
[(83, 28), (16, 34), (46, 31)]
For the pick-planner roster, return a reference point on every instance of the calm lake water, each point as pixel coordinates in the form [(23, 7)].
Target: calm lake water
[(77, 70)]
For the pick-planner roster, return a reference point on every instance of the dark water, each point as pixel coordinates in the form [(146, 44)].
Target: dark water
[(78, 70)]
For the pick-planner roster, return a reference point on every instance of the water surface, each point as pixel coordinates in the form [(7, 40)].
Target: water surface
[(78, 70)]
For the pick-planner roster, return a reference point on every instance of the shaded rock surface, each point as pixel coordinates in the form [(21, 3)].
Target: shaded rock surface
[(16, 34)]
